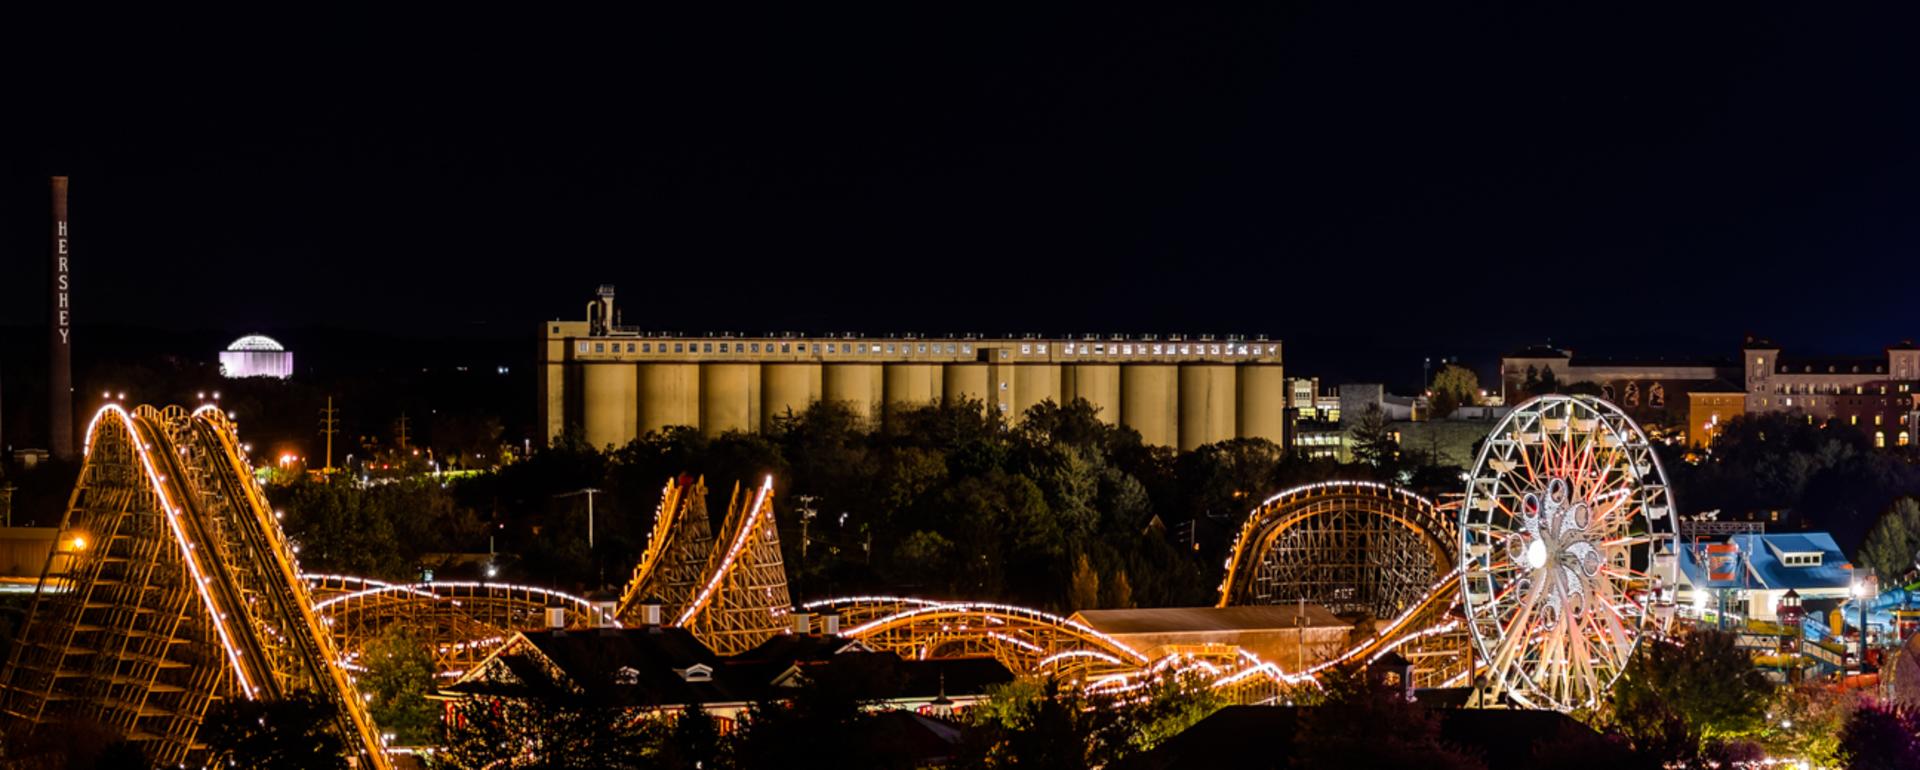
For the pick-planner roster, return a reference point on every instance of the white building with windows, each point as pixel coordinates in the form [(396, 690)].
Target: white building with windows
[(256, 355)]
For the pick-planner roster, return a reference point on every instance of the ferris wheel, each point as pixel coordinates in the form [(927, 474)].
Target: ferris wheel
[(1566, 516)]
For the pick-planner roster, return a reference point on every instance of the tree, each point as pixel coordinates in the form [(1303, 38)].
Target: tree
[(557, 733), (1881, 737), (1894, 541), (1453, 387), (1548, 382), (1363, 724), (399, 675), (1118, 591), (1084, 592), (1806, 721), (294, 732), (1703, 690), (1373, 441)]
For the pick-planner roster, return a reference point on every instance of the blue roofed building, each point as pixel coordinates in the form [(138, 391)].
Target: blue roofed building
[(1761, 569)]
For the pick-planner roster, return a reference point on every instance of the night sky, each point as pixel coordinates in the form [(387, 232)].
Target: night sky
[(1371, 185)]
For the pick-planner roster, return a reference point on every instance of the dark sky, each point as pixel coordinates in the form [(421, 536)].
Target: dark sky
[(1369, 184)]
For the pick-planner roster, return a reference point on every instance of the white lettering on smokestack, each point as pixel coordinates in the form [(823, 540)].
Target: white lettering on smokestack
[(60, 248)]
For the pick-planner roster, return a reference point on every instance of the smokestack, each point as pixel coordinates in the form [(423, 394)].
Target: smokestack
[(60, 378)]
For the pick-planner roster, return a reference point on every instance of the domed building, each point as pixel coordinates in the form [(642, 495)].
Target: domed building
[(256, 355)]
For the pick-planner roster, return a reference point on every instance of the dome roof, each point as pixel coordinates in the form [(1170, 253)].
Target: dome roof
[(255, 342)]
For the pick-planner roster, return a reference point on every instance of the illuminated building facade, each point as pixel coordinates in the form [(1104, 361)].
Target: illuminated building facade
[(256, 355), (617, 383), (1873, 394)]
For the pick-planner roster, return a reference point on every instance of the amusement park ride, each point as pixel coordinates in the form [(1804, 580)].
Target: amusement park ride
[(174, 585)]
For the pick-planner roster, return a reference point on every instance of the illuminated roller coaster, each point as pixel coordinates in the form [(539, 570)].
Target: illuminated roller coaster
[(178, 588), (461, 620)]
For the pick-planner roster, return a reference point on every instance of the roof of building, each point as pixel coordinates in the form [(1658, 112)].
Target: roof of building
[(1177, 620), (1764, 569), (1716, 386), (650, 666), (256, 342), (1540, 351), (1263, 736)]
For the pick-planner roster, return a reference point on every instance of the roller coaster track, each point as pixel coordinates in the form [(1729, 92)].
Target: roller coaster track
[(1365, 548), (183, 590), (461, 621)]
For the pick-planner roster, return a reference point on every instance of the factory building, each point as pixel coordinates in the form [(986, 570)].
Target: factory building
[(618, 383)]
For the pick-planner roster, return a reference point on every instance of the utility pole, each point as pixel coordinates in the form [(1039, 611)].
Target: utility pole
[(400, 436), (806, 515), (329, 425), (589, 492)]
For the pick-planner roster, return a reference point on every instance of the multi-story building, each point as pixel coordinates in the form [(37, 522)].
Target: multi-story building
[(617, 383), (1875, 393), (1653, 391)]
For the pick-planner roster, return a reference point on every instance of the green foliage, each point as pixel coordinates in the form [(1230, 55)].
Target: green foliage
[(1806, 720), (1694, 691), (1453, 387), (376, 530), (1373, 441), (1892, 545), (829, 721), (297, 732), (1361, 724), (552, 734), (1823, 477), (1172, 704), (398, 677), (1881, 737), (1084, 592)]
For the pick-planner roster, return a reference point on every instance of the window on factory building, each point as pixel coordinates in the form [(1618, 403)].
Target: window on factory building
[(923, 347), (556, 330), (629, 347), (831, 348), (676, 347), (709, 347), (786, 347), (1026, 350), (723, 347), (580, 348), (599, 347), (889, 349), (966, 349)]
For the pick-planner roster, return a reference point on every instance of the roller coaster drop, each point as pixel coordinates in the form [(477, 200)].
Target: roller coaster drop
[(173, 584)]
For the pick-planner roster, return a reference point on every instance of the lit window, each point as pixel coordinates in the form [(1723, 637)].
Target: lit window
[(1043, 348), (1879, 439), (968, 349), (1903, 438), (1853, 420), (1026, 350), (1879, 419)]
